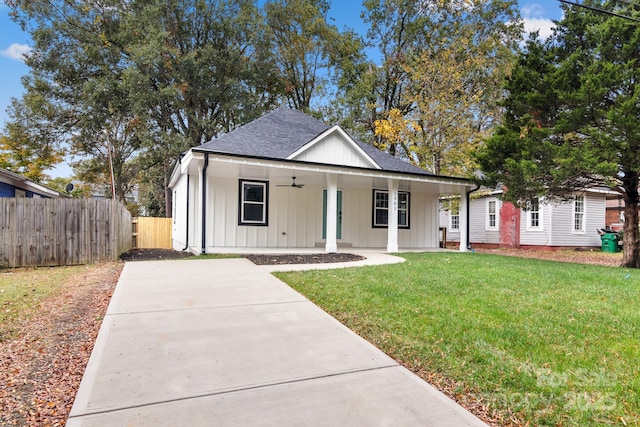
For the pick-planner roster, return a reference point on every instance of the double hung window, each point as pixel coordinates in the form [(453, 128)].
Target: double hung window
[(381, 205), (254, 197)]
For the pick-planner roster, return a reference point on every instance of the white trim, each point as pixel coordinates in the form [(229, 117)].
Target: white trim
[(392, 227), (310, 167), (24, 184), (451, 215), (528, 212), (342, 133), (181, 168), (390, 204), (331, 244), (584, 214), (496, 225)]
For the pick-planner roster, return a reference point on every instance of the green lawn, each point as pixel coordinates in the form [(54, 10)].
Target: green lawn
[(22, 290), (537, 341)]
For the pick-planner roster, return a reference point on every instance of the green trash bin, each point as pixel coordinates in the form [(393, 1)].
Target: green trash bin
[(609, 242)]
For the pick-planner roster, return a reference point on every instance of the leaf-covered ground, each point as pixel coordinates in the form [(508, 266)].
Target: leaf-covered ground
[(42, 364), (581, 257)]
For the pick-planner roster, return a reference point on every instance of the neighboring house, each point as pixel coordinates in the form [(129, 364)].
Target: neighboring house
[(615, 212), (546, 225), (103, 191), (287, 180), (14, 185)]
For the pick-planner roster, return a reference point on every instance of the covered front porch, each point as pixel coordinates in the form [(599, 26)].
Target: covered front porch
[(331, 208)]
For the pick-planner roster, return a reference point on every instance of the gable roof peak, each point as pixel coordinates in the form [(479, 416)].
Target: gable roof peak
[(284, 131)]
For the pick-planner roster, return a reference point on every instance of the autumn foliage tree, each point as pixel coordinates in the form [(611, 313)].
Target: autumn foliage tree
[(434, 96), (23, 149)]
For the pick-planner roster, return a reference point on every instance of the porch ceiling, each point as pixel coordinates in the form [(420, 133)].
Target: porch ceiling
[(280, 173)]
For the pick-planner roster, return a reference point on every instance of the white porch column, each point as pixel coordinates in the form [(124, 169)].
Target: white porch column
[(392, 224), (331, 245), (464, 230)]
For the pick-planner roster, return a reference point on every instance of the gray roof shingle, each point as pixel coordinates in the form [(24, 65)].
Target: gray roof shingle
[(280, 133)]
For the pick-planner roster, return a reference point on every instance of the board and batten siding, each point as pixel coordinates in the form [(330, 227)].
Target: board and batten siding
[(335, 151), (179, 214), (291, 216), (295, 219)]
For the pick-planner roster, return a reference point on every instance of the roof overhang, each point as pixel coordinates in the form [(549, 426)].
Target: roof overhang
[(23, 183), (278, 170)]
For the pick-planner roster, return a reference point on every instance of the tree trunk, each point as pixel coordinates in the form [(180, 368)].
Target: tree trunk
[(631, 242)]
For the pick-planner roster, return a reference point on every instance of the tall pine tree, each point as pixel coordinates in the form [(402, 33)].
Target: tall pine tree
[(572, 113)]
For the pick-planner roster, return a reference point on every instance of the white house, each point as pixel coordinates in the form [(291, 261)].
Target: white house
[(546, 225), (287, 180)]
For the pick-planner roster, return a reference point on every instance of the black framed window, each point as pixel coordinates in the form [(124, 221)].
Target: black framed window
[(254, 198), (381, 204)]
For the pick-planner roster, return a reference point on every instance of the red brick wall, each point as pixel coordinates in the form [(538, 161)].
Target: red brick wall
[(613, 216), (509, 226)]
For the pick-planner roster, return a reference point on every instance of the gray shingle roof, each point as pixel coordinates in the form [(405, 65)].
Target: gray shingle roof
[(280, 133)]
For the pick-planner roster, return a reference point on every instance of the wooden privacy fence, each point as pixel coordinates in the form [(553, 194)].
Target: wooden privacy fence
[(50, 232), (151, 232)]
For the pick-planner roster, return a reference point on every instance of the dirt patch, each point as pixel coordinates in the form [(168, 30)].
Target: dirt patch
[(303, 259), (581, 257), (41, 368), (154, 254), (275, 259)]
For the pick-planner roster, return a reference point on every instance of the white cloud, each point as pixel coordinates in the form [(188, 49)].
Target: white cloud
[(543, 25), (16, 51), (534, 20)]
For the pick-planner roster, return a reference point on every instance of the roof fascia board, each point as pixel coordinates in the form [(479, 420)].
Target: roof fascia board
[(323, 135), (26, 184), (181, 167), (328, 168)]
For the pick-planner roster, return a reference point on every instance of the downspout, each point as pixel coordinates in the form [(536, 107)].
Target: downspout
[(204, 202), (186, 245), (468, 194)]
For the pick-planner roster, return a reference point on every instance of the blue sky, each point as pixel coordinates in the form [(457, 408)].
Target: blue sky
[(537, 14)]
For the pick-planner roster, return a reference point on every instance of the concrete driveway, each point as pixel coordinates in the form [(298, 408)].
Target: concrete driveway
[(224, 343)]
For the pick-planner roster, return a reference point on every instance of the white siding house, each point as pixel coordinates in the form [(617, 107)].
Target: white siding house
[(569, 224), (287, 180)]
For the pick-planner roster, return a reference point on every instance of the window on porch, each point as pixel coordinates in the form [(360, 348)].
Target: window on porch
[(254, 196), (381, 209)]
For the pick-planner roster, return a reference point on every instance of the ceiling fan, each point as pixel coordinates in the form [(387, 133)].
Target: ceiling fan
[(293, 184)]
